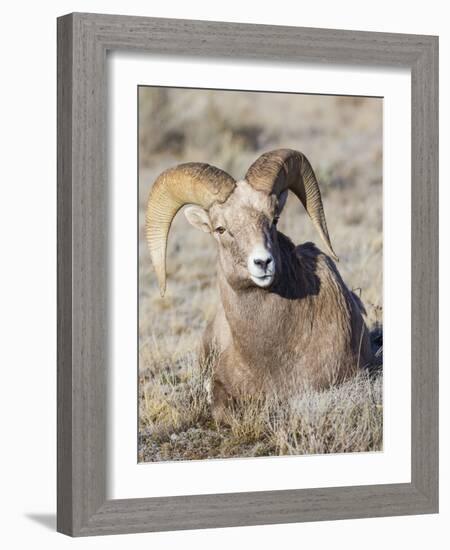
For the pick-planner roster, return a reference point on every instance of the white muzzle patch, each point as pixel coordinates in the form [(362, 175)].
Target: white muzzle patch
[(261, 266)]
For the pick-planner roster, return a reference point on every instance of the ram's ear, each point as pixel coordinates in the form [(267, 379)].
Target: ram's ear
[(282, 198), (199, 218)]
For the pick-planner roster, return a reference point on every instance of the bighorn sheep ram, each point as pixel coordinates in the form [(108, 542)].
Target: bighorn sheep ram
[(286, 319)]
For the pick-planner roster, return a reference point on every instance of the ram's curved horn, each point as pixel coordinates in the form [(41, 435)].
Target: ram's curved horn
[(190, 183), (275, 171)]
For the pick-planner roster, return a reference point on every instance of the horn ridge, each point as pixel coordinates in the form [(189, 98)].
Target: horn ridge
[(189, 183), (275, 171)]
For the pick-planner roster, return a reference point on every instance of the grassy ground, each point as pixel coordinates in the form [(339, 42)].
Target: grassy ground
[(342, 137)]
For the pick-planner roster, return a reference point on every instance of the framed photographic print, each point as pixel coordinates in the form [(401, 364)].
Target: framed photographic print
[(247, 274)]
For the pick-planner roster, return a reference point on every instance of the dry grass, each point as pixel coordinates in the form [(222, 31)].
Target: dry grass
[(342, 137), (176, 422)]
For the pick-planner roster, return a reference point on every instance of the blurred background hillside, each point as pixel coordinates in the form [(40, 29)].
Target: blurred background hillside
[(342, 138)]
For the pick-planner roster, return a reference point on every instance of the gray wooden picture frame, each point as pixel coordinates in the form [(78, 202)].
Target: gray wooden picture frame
[(83, 42)]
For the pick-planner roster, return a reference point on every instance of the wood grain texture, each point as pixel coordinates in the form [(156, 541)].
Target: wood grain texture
[(64, 301), (83, 314), (424, 276)]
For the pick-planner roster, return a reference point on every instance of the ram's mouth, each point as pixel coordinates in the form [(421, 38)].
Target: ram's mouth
[(263, 281)]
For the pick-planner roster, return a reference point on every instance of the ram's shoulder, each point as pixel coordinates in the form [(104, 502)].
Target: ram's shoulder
[(315, 260), (309, 252)]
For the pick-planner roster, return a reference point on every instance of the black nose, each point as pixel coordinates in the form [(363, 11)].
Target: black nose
[(263, 264)]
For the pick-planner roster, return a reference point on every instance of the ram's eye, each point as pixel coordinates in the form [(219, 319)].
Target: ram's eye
[(221, 230)]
